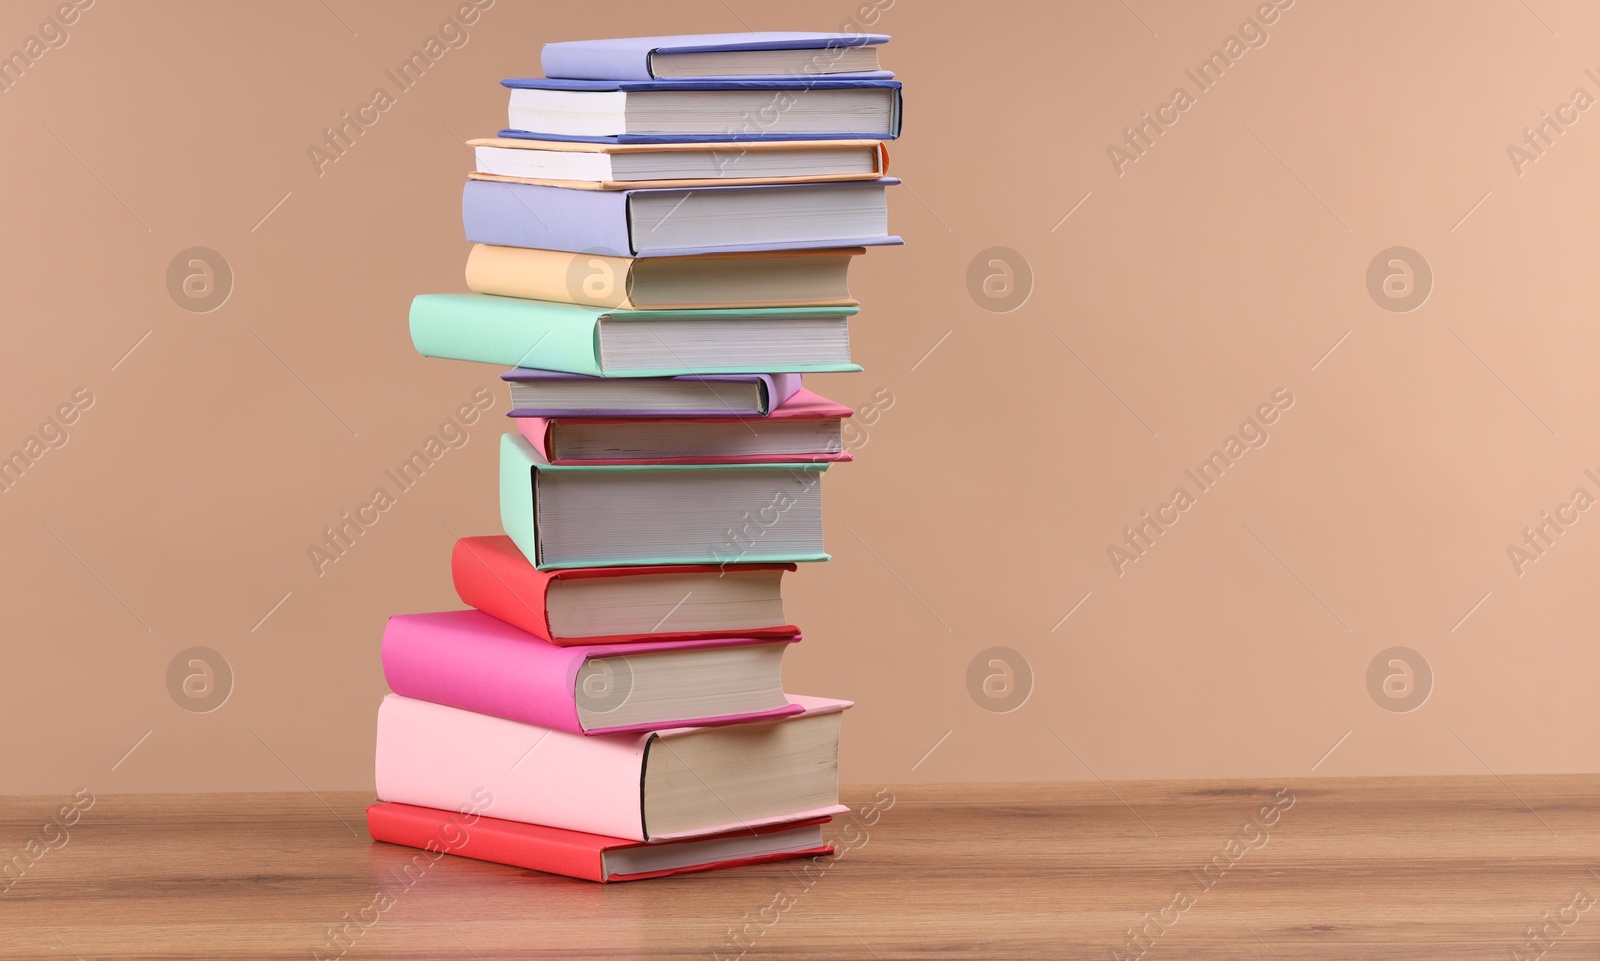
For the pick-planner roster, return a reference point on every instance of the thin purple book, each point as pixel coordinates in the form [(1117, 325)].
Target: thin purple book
[(724, 55)]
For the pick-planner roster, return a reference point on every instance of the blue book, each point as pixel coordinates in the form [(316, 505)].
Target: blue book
[(703, 111), (701, 56), (671, 221)]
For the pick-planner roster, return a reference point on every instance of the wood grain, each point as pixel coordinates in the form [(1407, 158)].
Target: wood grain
[(1455, 868)]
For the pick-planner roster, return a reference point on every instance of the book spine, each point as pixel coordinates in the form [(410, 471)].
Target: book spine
[(499, 590), (594, 61), (496, 671), (446, 758), (548, 218), (517, 477), (505, 331), (591, 280), (482, 838)]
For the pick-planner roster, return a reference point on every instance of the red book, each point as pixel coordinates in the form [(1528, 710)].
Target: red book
[(613, 605), (588, 857)]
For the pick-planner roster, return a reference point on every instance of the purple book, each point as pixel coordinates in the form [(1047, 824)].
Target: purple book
[(547, 393), (659, 222), (636, 58)]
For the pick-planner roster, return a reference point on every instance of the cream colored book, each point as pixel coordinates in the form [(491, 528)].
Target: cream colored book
[(604, 166), (769, 278)]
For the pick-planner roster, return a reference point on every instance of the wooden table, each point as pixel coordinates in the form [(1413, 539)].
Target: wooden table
[(1456, 868)]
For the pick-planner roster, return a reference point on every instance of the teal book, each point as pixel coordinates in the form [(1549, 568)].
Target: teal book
[(512, 332), (565, 516)]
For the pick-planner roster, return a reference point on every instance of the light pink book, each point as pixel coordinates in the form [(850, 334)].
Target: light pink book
[(470, 660), (454, 760)]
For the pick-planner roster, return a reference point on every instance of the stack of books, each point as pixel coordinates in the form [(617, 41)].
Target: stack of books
[(662, 238)]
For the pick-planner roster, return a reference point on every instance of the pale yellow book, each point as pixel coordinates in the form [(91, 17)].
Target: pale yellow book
[(768, 278)]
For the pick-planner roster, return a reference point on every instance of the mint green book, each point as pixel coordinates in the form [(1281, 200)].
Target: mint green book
[(624, 515), (631, 343)]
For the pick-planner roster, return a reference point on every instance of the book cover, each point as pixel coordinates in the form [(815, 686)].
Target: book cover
[(520, 464), (512, 332), (443, 757), (536, 847), (804, 405), (628, 58), (492, 575), (732, 149), (507, 214), (470, 660), (775, 85), (775, 389), (603, 280)]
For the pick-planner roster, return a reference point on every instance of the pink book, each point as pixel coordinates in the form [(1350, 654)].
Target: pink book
[(542, 433), (470, 660), (673, 783)]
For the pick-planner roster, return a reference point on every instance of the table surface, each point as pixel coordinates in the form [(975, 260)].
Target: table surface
[(1457, 868)]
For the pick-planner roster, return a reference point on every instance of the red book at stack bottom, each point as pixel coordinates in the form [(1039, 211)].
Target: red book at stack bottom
[(589, 857)]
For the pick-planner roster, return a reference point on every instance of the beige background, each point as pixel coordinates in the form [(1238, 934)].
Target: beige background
[(1222, 265)]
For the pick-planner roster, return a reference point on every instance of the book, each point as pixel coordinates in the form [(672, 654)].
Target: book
[(771, 53), (547, 393), (707, 111), (673, 783), (676, 221), (805, 428), (767, 278), (616, 605), (588, 857), (630, 343), (473, 661), (563, 516), (603, 166)]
